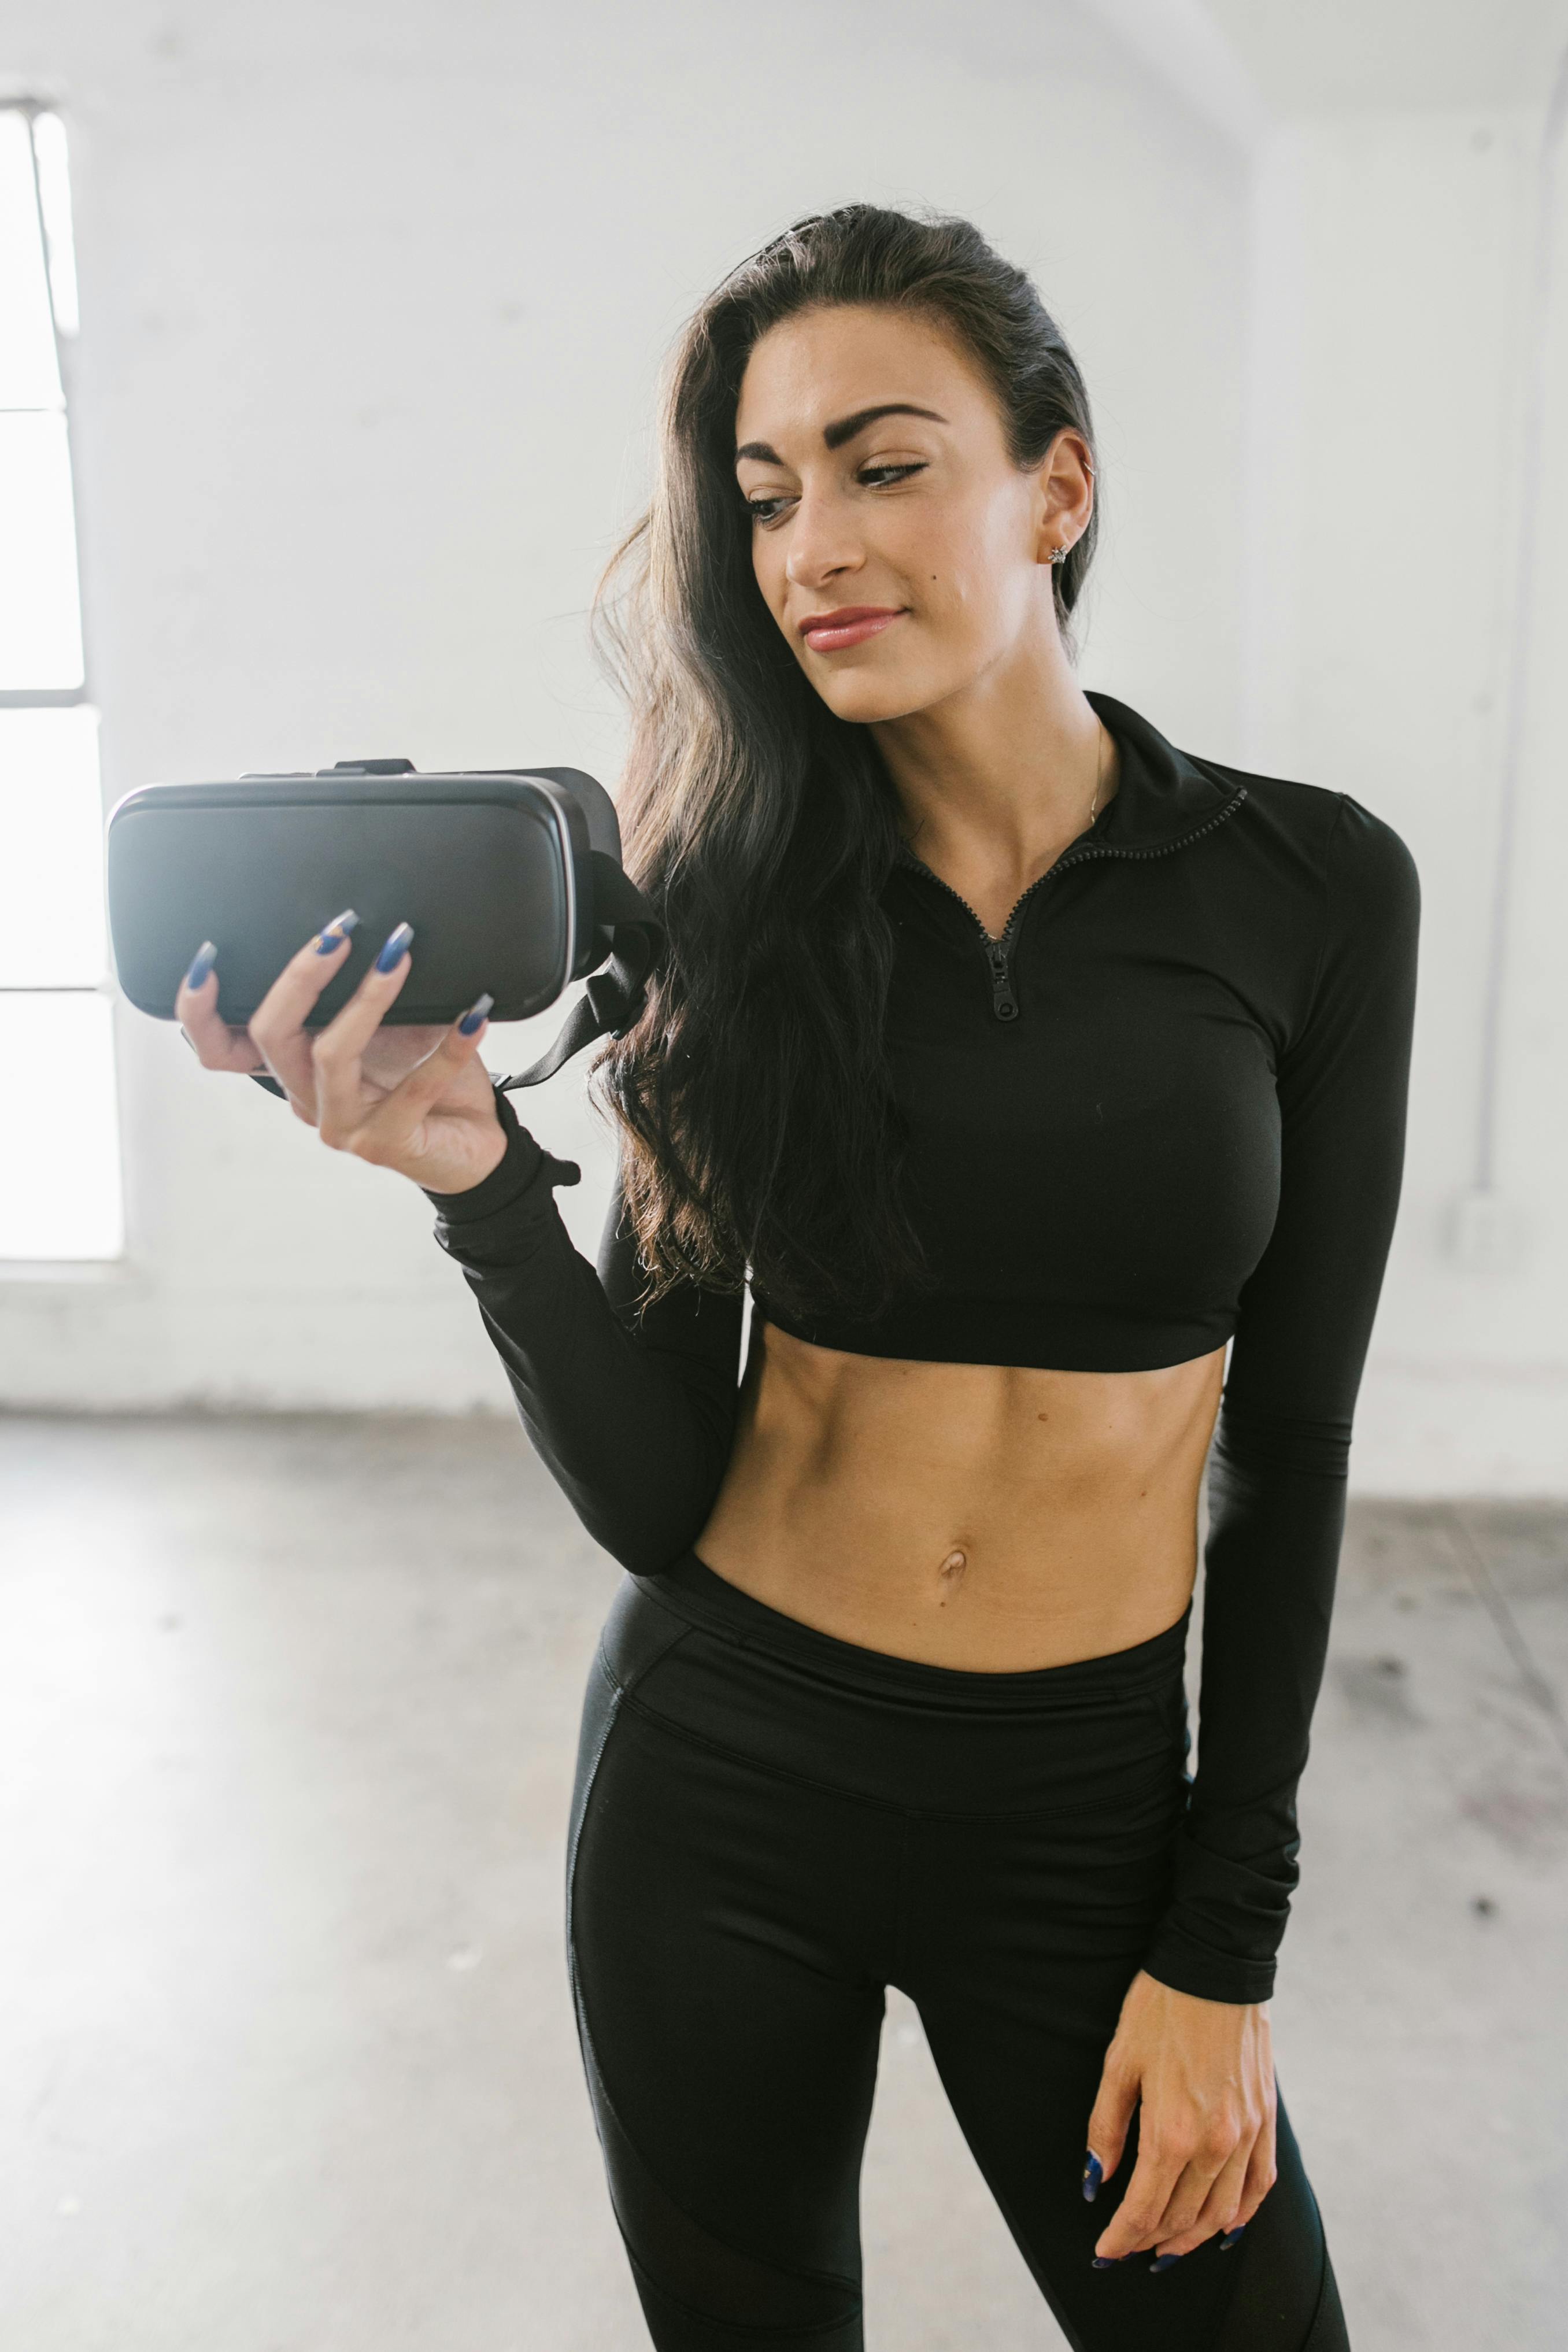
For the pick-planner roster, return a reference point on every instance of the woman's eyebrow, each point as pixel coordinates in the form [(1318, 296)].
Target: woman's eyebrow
[(843, 429), (835, 435)]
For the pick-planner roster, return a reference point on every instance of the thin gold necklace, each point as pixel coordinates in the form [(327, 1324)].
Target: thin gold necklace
[(1099, 771)]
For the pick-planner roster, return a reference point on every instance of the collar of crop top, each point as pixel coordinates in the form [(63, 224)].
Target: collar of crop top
[(1163, 799)]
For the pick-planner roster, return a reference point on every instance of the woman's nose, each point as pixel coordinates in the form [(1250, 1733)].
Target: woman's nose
[(822, 543)]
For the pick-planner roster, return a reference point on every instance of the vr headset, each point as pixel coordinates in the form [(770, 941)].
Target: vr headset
[(510, 877)]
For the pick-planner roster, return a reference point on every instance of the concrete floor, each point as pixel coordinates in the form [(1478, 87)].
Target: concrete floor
[(287, 1715)]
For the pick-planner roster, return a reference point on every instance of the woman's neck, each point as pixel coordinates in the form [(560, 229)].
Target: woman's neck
[(994, 782)]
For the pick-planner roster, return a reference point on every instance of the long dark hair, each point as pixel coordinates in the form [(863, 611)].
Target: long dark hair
[(754, 1094)]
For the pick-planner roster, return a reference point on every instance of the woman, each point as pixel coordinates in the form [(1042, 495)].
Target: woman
[(1020, 1062)]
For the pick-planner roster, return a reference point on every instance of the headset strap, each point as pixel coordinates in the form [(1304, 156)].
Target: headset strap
[(613, 1000)]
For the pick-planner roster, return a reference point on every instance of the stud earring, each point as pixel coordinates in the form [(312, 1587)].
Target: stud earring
[(1060, 554)]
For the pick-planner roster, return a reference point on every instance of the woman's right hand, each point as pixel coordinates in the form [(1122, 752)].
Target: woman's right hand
[(416, 1099)]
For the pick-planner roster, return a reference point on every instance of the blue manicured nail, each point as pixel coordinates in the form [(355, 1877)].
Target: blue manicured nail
[(335, 933), (1162, 2262), (1093, 2174), (474, 1018), (397, 948), (1105, 2262), (200, 964), (1230, 2238)]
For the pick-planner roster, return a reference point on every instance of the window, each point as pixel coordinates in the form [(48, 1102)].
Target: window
[(60, 1168)]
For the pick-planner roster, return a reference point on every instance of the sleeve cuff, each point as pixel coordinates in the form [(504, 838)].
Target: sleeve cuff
[(1180, 1961), (1220, 1938), (516, 1173), (481, 1221)]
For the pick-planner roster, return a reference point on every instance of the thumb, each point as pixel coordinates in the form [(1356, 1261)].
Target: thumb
[(423, 1086), (396, 1134), (1109, 2122)]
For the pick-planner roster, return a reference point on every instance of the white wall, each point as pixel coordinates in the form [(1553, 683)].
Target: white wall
[(1394, 314), (372, 304), (373, 299)]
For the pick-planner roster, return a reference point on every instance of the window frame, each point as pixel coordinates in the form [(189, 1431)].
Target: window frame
[(65, 697)]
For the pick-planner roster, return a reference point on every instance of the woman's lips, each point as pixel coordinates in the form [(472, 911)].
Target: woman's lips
[(827, 633)]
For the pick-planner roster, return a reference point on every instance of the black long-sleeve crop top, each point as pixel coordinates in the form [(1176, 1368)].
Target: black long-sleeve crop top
[(1165, 1111)]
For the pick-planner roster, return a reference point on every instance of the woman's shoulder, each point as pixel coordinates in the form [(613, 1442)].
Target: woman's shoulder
[(1350, 851), (1298, 835)]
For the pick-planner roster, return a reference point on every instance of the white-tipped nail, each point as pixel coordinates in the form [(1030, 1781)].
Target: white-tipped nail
[(475, 1017), (397, 948)]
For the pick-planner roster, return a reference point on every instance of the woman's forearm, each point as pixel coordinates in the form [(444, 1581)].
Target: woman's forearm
[(634, 1415)]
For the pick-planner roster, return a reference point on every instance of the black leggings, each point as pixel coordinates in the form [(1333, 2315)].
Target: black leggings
[(769, 1827)]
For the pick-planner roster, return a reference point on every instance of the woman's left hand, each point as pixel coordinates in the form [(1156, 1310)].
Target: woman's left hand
[(1202, 2074)]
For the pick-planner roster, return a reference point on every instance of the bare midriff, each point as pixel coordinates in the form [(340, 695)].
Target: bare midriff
[(976, 1515)]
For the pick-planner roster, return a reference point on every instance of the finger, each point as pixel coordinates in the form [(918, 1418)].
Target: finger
[(278, 1024), (1109, 2123), (1262, 2174), (390, 1132), (337, 1056), (1193, 2187), (1138, 2220), (1217, 2212), (218, 1046)]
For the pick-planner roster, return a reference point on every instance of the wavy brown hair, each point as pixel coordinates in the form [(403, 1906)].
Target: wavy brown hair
[(759, 1125)]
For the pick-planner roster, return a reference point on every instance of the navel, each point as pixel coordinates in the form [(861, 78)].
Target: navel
[(950, 1575)]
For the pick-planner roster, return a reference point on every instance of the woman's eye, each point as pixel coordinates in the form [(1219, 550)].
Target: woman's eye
[(766, 510)]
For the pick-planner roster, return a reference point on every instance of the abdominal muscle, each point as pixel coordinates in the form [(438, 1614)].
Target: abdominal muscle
[(982, 1517)]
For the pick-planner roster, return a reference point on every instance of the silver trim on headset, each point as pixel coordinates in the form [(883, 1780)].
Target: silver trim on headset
[(569, 864)]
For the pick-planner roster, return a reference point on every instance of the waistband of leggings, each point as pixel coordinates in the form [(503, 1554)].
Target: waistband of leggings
[(691, 1590)]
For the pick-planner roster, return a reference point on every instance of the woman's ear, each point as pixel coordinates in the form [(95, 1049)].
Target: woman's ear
[(1066, 478)]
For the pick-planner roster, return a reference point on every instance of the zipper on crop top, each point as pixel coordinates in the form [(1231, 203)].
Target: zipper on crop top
[(999, 950)]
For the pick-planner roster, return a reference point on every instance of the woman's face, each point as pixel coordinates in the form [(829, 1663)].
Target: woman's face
[(902, 552)]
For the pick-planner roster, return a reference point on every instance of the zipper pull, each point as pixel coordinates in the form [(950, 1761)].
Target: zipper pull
[(1004, 1003)]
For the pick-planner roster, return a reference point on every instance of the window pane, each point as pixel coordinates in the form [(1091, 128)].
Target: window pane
[(40, 616), (59, 1173), (55, 202), (29, 376), (51, 853)]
